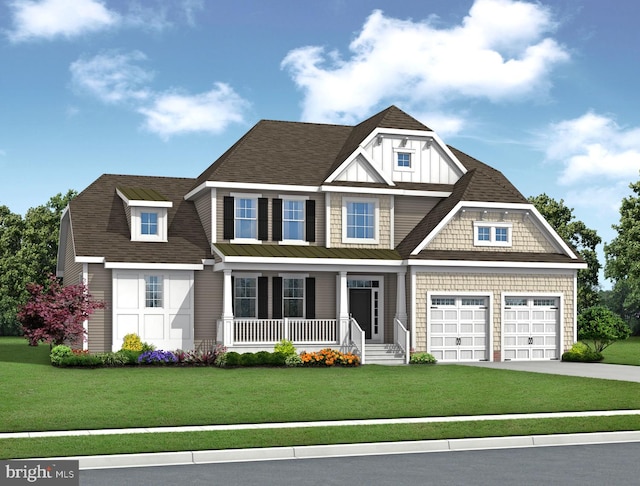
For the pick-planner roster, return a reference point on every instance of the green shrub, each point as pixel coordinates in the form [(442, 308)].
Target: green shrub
[(600, 327), (582, 353), (147, 347), (278, 359), (115, 359), (422, 358), (293, 361), (285, 347), (81, 360), (263, 358), (231, 359), (58, 353), (131, 357), (248, 359)]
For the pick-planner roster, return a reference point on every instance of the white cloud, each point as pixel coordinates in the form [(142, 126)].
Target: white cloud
[(112, 77), (116, 78), (593, 147), (211, 112), (498, 52), (49, 19)]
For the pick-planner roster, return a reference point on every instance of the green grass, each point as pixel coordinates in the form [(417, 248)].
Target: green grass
[(37, 396), (624, 352), (239, 439)]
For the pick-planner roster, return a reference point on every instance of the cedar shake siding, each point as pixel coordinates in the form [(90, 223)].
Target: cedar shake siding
[(100, 323), (383, 223), (497, 284)]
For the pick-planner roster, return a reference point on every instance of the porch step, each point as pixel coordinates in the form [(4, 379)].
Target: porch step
[(383, 354)]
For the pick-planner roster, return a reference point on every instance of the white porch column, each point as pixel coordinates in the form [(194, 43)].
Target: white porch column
[(227, 310), (343, 308), (401, 298)]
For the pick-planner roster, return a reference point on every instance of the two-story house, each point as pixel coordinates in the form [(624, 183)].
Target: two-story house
[(377, 238)]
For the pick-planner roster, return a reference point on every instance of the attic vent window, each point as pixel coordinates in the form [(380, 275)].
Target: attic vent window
[(404, 160), (492, 234)]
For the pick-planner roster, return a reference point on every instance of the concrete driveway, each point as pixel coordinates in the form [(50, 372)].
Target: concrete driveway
[(589, 370)]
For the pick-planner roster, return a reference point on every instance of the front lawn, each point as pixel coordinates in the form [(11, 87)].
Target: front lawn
[(624, 352), (37, 396)]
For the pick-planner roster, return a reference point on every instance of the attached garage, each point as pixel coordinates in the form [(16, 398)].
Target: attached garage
[(458, 327), (531, 327)]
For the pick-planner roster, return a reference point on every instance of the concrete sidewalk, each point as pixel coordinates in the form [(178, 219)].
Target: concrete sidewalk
[(556, 367)]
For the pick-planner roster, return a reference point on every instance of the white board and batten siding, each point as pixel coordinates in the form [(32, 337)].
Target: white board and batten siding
[(169, 326), (531, 327), (459, 327)]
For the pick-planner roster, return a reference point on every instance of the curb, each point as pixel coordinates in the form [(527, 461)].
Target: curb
[(345, 450)]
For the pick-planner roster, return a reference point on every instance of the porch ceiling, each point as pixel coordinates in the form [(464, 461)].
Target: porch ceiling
[(293, 251)]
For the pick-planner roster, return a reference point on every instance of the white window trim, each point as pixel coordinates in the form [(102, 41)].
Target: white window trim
[(406, 150), (244, 195), (492, 233), (136, 224), (301, 242), (376, 221), (161, 282)]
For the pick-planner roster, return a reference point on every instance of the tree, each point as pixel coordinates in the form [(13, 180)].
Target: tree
[(583, 239), (28, 252), (622, 255), (601, 327), (55, 315)]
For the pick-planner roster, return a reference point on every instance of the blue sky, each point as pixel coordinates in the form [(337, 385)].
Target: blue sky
[(544, 91)]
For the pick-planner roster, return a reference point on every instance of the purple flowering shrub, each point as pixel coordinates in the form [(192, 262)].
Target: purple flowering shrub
[(157, 357)]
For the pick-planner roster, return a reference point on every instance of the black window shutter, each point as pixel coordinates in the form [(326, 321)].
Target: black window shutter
[(277, 297), (263, 298), (263, 219), (310, 220), (233, 295), (310, 297), (228, 230), (276, 219)]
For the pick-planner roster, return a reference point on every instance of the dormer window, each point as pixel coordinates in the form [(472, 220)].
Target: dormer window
[(147, 212), (149, 223)]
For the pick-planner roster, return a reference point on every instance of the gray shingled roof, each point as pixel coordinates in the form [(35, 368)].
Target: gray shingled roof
[(100, 226)]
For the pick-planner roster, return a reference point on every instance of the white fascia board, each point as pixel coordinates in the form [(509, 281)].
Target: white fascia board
[(443, 222), (314, 261), (251, 186), (418, 134), (385, 191), (208, 262), (485, 264), (89, 259), (62, 242), (298, 267), (144, 204), (343, 166), (551, 232), (154, 266)]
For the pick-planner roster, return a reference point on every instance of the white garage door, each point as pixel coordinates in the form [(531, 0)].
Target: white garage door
[(531, 328), (458, 327)]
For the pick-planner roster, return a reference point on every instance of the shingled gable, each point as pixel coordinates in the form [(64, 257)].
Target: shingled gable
[(100, 228)]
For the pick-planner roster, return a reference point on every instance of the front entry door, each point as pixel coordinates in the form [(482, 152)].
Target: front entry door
[(360, 309)]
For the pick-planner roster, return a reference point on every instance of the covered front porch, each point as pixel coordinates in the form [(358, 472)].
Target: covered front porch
[(362, 313)]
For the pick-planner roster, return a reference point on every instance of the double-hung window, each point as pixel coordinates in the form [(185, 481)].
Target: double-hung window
[(246, 218), (293, 297), (153, 291), (245, 296), (360, 221), (492, 234), (293, 219)]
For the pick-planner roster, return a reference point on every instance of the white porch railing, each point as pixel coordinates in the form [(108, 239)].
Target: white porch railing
[(402, 337), (357, 336), (271, 331)]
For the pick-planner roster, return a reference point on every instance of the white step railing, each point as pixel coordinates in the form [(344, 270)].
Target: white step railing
[(403, 339), (271, 331), (357, 337)]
